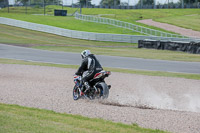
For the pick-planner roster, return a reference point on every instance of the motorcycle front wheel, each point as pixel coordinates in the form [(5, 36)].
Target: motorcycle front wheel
[(76, 93)]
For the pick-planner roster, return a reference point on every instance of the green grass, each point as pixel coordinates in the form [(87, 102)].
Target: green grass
[(172, 16), (136, 14), (139, 72), (127, 15), (69, 23), (132, 16), (14, 35), (155, 14), (189, 22), (15, 119), (129, 52), (39, 40)]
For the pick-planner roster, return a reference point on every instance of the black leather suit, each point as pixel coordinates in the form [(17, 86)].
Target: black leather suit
[(89, 67)]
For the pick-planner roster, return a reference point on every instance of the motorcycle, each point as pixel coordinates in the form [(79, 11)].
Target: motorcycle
[(98, 87)]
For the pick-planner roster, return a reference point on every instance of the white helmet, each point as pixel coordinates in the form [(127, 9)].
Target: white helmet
[(85, 53)]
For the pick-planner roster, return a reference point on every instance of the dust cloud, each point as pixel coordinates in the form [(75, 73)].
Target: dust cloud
[(168, 95)]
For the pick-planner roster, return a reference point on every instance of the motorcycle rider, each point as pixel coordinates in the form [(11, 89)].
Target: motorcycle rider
[(89, 67)]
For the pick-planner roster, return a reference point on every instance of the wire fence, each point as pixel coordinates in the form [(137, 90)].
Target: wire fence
[(87, 35), (140, 5), (126, 25), (42, 9), (47, 6)]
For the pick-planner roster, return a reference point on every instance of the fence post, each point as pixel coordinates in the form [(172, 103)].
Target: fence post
[(26, 7), (141, 4), (80, 8), (182, 3), (44, 6), (154, 4), (8, 6)]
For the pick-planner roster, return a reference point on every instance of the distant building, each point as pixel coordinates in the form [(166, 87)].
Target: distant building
[(11, 2)]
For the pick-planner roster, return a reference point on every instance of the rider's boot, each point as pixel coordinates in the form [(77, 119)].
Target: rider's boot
[(87, 86)]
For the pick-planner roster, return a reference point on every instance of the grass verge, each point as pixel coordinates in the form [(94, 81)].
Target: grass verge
[(189, 21), (15, 119), (129, 52), (149, 73), (15, 35), (70, 23)]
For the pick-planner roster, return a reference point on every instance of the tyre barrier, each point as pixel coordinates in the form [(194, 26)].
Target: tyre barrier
[(189, 47)]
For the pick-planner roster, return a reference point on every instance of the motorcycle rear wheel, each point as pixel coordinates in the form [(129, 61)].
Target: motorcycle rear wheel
[(104, 90)]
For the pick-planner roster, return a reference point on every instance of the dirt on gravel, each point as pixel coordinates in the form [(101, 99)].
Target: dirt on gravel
[(173, 28), (170, 104)]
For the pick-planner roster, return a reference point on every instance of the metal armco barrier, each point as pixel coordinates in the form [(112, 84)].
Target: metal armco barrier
[(190, 47)]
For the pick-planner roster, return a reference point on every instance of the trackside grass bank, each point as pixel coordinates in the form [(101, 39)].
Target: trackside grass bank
[(14, 35), (40, 40), (127, 15), (15, 119), (150, 73), (69, 23), (186, 21)]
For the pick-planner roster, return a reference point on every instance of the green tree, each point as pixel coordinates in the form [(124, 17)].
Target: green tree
[(124, 4), (85, 2), (146, 2), (3, 3), (22, 1), (189, 1), (110, 2)]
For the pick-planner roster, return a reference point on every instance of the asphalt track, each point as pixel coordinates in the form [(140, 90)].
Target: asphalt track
[(29, 54)]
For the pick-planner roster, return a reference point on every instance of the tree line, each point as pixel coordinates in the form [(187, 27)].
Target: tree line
[(34, 1), (143, 2), (103, 2)]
